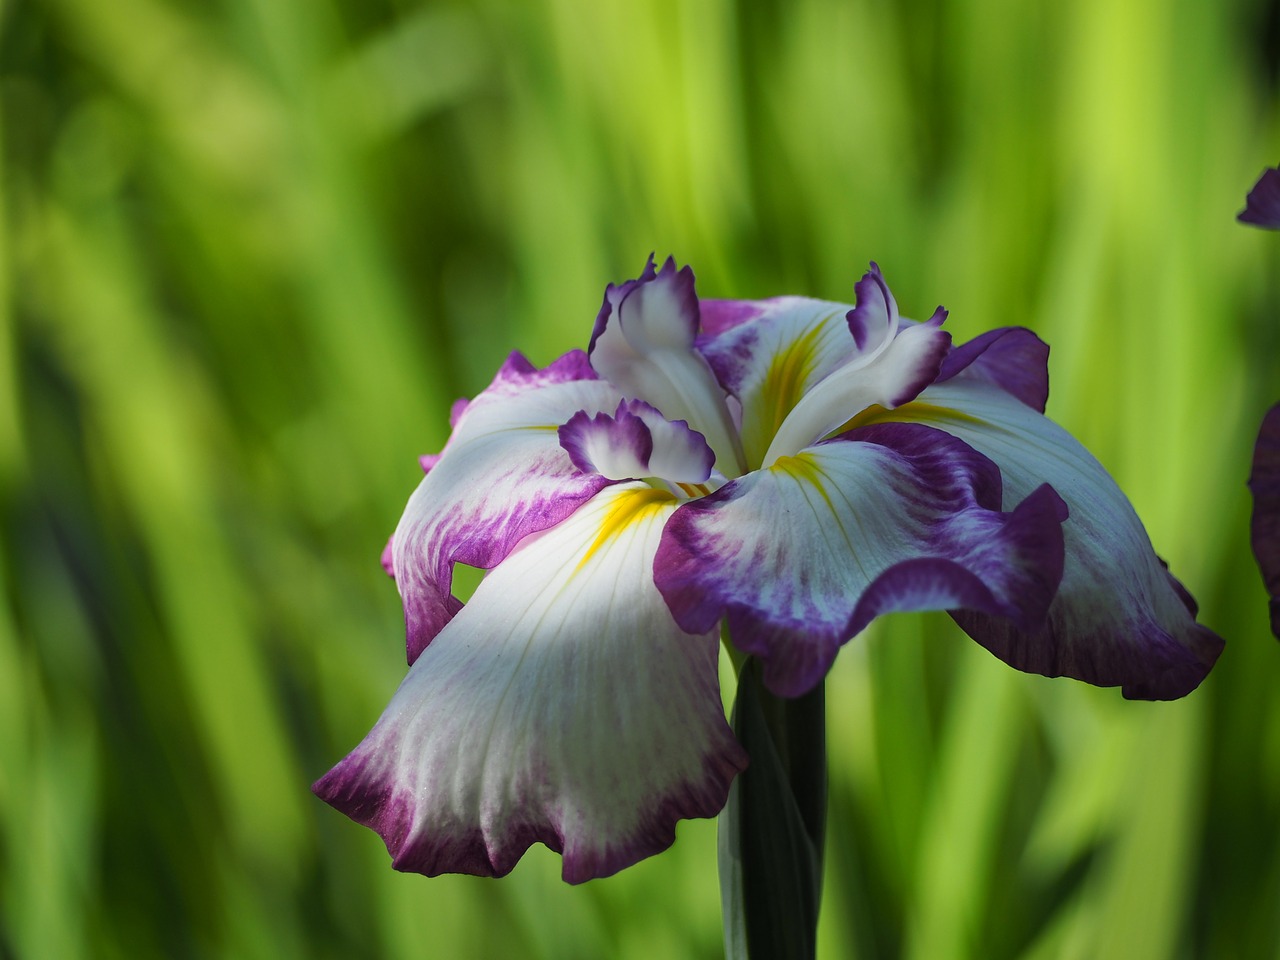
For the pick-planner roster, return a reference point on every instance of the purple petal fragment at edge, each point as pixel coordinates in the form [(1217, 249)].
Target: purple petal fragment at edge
[(1012, 358), (1262, 206), (1264, 482), (517, 374)]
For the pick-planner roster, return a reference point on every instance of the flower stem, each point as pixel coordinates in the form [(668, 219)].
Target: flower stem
[(772, 829)]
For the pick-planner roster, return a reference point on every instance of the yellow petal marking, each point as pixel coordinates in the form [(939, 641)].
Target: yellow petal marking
[(915, 411), (783, 386), (626, 509), (801, 466)]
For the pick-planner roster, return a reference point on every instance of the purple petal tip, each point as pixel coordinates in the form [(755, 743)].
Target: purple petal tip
[(1262, 206)]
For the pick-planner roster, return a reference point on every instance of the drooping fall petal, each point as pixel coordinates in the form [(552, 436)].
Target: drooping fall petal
[(1119, 617), (562, 705), (503, 475), (788, 553)]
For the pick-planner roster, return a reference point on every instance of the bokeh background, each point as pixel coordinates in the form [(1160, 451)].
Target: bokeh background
[(251, 251)]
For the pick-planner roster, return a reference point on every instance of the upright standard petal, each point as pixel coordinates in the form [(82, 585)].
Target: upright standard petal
[(802, 367), (644, 343), (773, 358), (1264, 482), (1119, 618), (800, 555), (502, 475), (562, 705)]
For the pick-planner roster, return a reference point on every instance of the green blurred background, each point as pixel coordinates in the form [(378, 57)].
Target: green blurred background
[(252, 249)]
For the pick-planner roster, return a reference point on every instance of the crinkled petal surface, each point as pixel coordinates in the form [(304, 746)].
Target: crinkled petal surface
[(1119, 618), (1264, 482), (562, 705), (801, 555), (502, 475)]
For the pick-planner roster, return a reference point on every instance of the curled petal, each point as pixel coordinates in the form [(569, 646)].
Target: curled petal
[(787, 554), (1012, 358), (637, 442), (1264, 482), (874, 321), (616, 447), (1262, 206), (644, 343), (563, 705), (503, 475), (1030, 556), (1119, 618)]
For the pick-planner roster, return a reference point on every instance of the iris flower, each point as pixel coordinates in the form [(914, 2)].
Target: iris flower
[(785, 469)]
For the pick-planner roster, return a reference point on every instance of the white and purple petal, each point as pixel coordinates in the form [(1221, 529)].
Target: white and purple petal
[(635, 443), (1262, 206), (643, 342), (562, 705), (874, 321), (680, 454), (1264, 482), (502, 476), (787, 554), (1119, 618), (616, 447)]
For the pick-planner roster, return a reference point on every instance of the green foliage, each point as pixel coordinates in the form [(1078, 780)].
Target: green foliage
[(251, 250)]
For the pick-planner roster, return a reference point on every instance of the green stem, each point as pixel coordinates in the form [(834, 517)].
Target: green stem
[(772, 829)]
